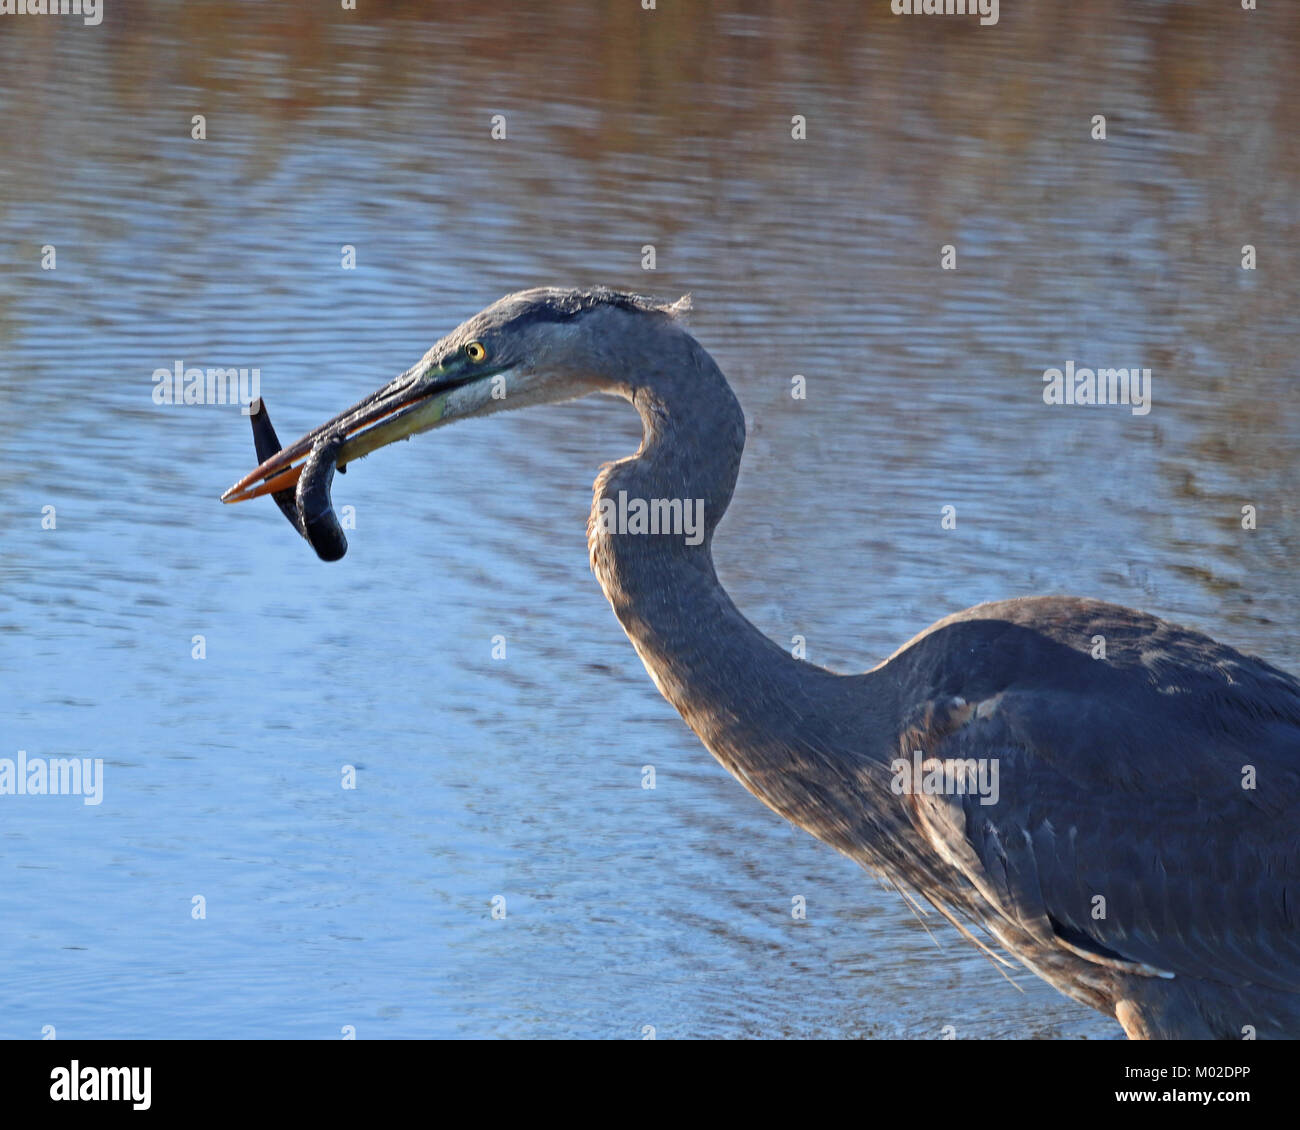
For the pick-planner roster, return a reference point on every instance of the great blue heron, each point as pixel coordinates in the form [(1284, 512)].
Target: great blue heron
[(1142, 853)]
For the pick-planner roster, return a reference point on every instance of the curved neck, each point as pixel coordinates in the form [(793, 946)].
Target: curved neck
[(751, 703)]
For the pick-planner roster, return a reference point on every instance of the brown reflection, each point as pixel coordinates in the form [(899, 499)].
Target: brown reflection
[(674, 127)]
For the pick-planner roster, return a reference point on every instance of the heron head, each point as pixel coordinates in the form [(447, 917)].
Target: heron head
[(533, 347)]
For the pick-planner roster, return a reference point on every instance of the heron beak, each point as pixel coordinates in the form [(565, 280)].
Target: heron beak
[(410, 404)]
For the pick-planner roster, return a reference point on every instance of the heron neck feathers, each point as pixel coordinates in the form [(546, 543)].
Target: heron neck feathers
[(749, 700)]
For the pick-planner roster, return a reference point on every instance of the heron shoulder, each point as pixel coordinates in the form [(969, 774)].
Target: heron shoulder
[(1089, 647)]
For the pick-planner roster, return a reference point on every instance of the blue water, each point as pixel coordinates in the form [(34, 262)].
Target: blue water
[(481, 779)]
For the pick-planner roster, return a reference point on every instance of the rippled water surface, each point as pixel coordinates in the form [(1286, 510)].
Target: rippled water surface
[(520, 777)]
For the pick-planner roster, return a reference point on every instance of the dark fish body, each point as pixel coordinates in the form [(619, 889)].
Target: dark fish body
[(317, 521), (308, 508)]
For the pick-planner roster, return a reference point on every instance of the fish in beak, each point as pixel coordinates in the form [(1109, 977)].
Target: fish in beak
[(533, 347), (307, 506), (298, 477)]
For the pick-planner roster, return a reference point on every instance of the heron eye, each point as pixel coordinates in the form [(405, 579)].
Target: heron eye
[(475, 351)]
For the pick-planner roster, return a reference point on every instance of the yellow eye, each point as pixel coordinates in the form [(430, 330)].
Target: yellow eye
[(475, 351)]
